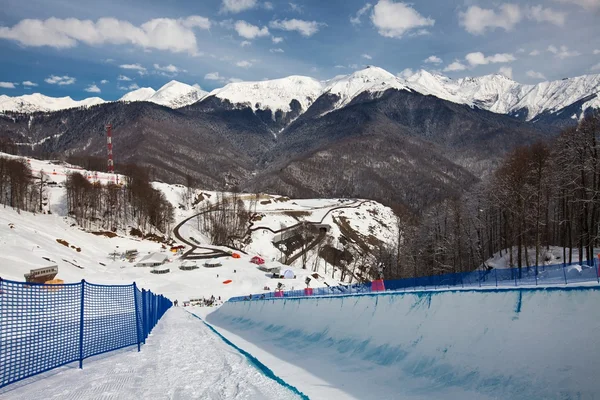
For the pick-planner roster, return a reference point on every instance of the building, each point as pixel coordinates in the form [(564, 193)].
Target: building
[(188, 266), (212, 264), (152, 260), (42, 275)]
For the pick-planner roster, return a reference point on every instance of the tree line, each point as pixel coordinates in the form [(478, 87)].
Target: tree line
[(544, 194), (19, 188)]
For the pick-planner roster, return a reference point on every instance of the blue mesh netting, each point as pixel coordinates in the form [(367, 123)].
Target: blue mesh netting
[(559, 274), (46, 326)]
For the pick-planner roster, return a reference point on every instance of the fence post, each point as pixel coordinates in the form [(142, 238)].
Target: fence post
[(565, 272), (144, 318), (137, 316), (496, 274), (81, 324), (597, 262)]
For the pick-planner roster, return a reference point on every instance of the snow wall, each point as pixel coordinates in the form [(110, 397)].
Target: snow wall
[(500, 344)]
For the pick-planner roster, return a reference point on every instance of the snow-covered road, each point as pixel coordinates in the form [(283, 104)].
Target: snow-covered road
[(182, 359)]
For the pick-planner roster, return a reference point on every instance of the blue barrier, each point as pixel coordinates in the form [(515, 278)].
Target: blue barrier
[(43, 326), (557, 274)]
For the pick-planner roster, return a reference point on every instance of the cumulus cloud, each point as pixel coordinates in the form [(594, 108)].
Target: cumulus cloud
[(244, 64), (7, 85), (563, 52), (29, 83), (587, 4), (535, 53), (236, 6), (123, 78), (478, 58), (406, 73), (433, 60), (295, 8), (268, 5), (104, 81), (215, 76), (395, 19), (596, 51), (175, 35), (477, 20), (455, 66), (535, 75), (305, 28), (245, 43), (60, 80), (276, 39), (172, 69), (278, 50), (356, 19), (506, 71), (249, 31), (136, 67), (366, 57), (92, 89)]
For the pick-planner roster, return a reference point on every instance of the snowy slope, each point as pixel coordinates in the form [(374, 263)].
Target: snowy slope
[(176, 94), (38, 102), (372, 79), (273, 95), (141, 94)]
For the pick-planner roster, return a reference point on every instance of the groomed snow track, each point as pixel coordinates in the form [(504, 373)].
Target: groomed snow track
[(526, 343)]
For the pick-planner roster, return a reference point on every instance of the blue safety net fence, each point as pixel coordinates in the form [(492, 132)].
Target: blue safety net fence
[(45, 326), (557, 274)]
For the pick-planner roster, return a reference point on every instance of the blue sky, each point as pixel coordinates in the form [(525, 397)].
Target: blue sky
[(105, 48)]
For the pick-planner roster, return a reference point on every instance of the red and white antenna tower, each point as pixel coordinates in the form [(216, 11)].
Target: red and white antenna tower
[(111, 165)]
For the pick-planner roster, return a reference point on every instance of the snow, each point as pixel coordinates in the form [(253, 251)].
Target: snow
[(38, 102), (176, 95), (141, 94), (274, 95), (182, 359), (483, 344)]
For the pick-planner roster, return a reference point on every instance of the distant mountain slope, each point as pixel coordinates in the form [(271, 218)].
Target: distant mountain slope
[(29, 103)]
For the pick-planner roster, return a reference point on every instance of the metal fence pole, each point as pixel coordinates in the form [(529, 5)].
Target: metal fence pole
[(496, 273), (144, 318), (81, 324), (565, 272), (137, 315)]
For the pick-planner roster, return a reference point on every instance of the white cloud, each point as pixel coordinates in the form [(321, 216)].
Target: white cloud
[(213, 76), (234, 80), (276, 50), (433, 60), (356, 19), (268, 5), (477, 20), (92, 89), (478, 58), (60, 80), (276, 39), (236, 6), (563, 52), (249, 31), (535, 75), (541, 14), (353, 66), (587, 4), (104, 81), (596, 67), (535, 53), (29, 83), (123, 78), (7, 85), (245, 43), (596, 51), (296, 8), (455, 66), (136, 67), (133, 86), (406, 73), (367, 57), (197, 86), (340, 66), (506, 71), (305, 28), (244, 64), (395, 19), (175, 35), (172, 69), (521, 50)]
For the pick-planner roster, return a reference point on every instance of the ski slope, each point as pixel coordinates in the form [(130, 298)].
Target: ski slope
[(182, 359), (471, 344)]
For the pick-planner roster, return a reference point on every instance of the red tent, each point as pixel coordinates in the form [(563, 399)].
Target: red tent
[(257, 260)]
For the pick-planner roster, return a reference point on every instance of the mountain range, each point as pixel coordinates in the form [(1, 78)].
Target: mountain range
[(409, 143), (495, 93)]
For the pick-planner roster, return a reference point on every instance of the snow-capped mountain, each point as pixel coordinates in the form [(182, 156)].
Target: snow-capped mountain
[(276, 94), (141, 94), (38, 102), (372, 79), (176, 95)]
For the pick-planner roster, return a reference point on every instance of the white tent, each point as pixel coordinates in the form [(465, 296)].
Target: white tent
[(152, 260), (289, 274)]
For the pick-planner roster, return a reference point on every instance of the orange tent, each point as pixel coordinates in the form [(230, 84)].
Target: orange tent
[(235, 255), (227, 281)]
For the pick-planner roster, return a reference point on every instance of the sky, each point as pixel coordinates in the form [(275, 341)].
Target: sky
[(85, 48)]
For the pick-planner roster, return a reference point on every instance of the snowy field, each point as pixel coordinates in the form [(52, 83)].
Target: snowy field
[(182, 359)]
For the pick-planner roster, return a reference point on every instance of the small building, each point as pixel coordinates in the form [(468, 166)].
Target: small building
[(212, 264), (160, 270), (42, 275), (152, 260), (270, 268), (188, 266)]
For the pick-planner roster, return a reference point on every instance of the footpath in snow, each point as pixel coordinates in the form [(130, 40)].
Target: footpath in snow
[(182, 359)]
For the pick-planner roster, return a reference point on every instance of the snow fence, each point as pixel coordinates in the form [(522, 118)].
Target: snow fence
[(46, 326), (498, 343)]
